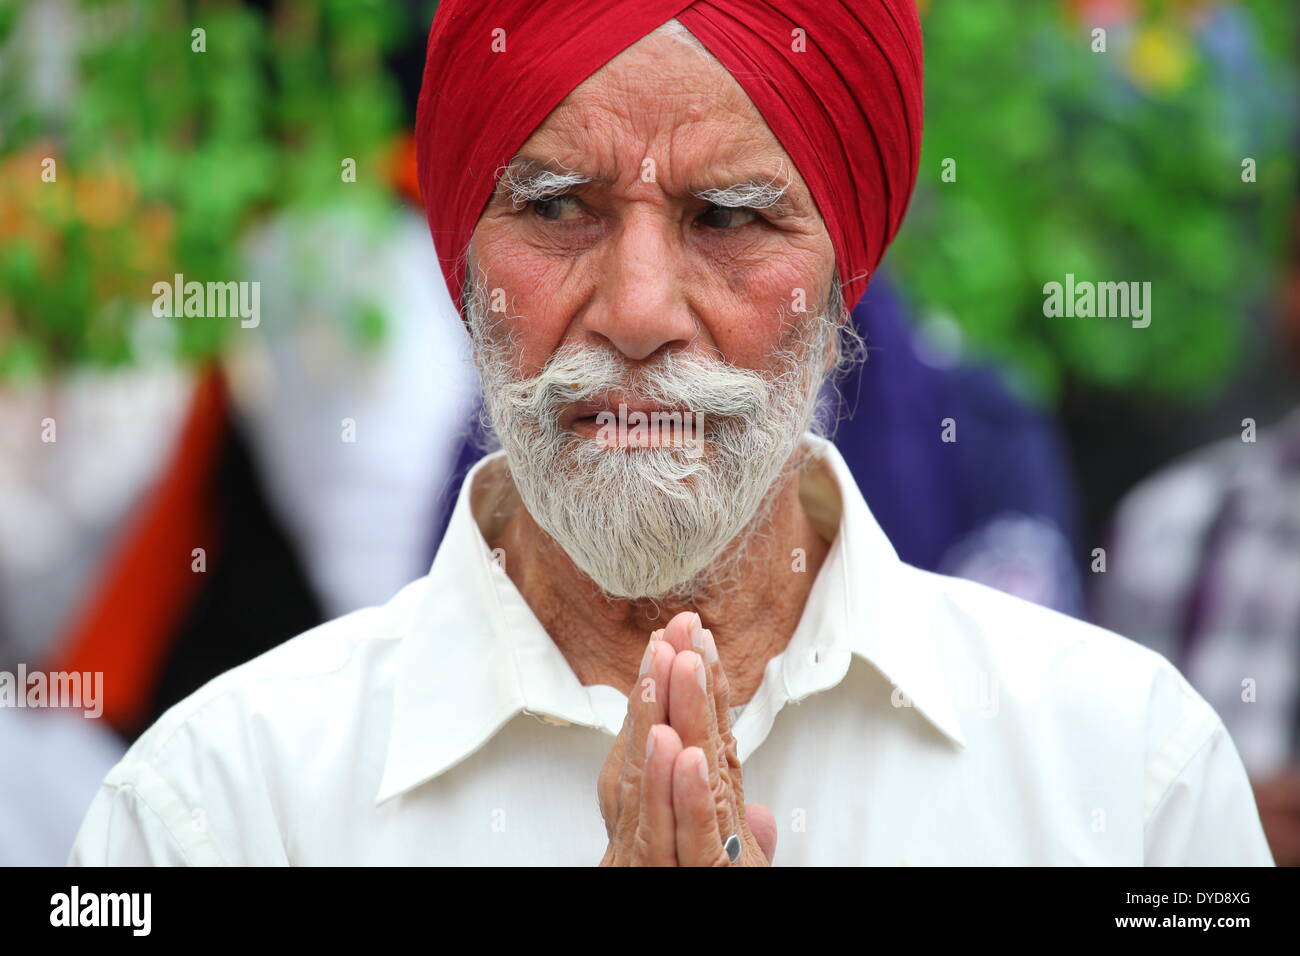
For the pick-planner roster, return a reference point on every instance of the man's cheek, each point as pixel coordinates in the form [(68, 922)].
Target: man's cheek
[(790, 281), (506, 258), (752, 324), (535, 296)]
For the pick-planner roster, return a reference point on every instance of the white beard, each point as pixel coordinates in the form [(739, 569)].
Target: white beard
[(661, 522)]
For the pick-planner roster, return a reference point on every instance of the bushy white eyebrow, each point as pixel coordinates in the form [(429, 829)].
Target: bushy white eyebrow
[(526, 182), (750, 195), (529, 180)]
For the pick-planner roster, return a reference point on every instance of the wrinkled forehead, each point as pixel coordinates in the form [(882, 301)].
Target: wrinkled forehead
[(665, 111), (659, 85)]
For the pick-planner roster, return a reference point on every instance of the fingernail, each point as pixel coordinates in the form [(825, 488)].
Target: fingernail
[(658, 635), (701, 674), (650, 743), (704, 768), (646, 658), (702, 640), (696, 625)]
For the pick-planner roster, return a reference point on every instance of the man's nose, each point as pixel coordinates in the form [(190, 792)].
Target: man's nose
[(641, 305)]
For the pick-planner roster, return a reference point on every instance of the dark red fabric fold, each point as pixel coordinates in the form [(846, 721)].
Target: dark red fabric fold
[(847, 107)]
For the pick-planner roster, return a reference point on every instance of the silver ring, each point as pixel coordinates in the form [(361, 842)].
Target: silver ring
[(732, 846)]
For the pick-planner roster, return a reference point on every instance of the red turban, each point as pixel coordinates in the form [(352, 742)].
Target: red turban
[(845, 103)]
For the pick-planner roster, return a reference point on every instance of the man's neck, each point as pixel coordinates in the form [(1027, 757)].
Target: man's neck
[(603, 639)]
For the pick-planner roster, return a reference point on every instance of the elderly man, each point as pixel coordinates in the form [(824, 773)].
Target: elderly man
[(658, 211)]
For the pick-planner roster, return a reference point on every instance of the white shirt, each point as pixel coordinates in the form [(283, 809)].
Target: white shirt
[(912, 719)]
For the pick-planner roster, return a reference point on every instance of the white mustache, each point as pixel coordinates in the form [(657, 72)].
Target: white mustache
[(692, 382)]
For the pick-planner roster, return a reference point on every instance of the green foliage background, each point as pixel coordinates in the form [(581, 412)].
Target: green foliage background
[(166, 155), (1115, 166)]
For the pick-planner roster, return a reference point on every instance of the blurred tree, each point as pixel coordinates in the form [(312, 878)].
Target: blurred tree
[(1123, 165), (184, 123)]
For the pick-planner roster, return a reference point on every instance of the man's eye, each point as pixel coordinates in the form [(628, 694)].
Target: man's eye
[(558, 208), (728, 217)]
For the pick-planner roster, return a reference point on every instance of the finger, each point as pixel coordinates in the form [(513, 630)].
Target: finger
[(703, 644), (690, 711), (690, 703), (727, 760), (677, 631), (655, 841), (699, 840), (610, 777), (614, 776), (763, 826), (646, 706), (686, 632), (612, 772)]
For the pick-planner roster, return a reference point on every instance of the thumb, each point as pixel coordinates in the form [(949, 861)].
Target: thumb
[(763, 825)]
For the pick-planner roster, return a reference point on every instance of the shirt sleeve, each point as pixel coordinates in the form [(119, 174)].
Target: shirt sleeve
[(1206, 815), (137, 819)]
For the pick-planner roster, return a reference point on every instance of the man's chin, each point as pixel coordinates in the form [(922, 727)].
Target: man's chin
[(624, 571), (676, 586)]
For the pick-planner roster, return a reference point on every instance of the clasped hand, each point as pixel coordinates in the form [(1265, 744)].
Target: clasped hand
[(671, 790)]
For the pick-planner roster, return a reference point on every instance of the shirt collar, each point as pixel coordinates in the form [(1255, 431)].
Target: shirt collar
[(472, 654)]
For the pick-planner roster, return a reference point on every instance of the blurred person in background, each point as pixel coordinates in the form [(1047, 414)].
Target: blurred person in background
[(1205, 568)]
